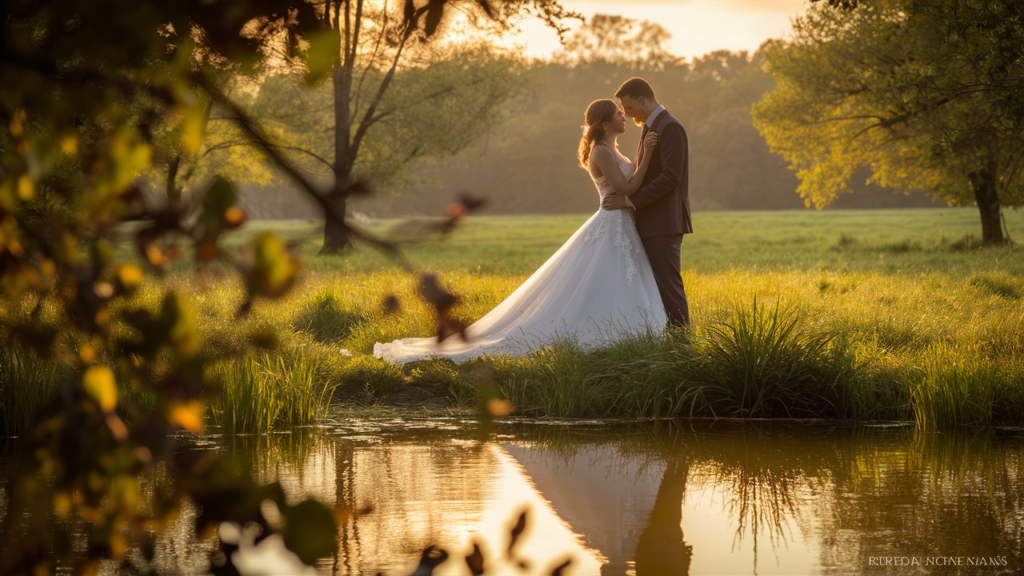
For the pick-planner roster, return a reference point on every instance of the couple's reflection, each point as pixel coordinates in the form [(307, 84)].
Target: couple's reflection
[(627, 510), (824, 498), (661, 549)]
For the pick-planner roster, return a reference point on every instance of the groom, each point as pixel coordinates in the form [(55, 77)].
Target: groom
[(662, 203)]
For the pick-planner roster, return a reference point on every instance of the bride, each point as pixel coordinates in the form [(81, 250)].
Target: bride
[(597, 284)]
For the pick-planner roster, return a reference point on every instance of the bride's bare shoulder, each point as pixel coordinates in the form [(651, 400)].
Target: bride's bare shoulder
[(601, 158), (602, 153)]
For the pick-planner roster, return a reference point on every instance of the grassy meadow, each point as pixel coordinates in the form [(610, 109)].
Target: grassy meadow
[(855, 314), (865, 315)]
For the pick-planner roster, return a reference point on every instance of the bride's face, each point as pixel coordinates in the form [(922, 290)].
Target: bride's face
[(617, 125)]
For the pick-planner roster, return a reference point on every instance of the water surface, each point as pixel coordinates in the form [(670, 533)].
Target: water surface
[(679, 497)]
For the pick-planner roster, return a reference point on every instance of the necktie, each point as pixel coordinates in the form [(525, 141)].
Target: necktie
[(640, 148)]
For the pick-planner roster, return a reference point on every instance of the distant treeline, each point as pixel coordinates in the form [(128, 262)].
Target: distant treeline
[(529, 164)]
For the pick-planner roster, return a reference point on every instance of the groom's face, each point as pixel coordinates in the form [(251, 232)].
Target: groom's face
[(632, 108)]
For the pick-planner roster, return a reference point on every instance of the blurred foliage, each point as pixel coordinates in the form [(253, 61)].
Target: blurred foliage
[(925, 94), (96, 97)]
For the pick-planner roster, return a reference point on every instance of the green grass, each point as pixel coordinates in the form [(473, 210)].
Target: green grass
[(26, 383), (941, 240), (889, 314), (264, 391)]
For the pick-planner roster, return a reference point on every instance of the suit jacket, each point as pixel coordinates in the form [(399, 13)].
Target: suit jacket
[(663, 201)]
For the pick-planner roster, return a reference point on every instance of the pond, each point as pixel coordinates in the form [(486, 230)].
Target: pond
[(670, 497)]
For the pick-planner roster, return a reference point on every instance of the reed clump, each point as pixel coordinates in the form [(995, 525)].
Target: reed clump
[(27, 382), (953, 386), (267, 391), (763, 361)]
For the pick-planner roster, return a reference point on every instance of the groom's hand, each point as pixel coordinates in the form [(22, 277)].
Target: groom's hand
[(613, 201)]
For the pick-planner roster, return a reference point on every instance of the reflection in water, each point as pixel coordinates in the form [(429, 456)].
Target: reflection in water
[(656, 498), (661, 549), (601, 495)]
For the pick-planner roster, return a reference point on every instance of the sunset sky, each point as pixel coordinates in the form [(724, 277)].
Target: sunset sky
[(697, 26)]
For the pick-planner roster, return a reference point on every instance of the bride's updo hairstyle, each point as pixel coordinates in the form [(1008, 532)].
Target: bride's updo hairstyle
[(599, 112)]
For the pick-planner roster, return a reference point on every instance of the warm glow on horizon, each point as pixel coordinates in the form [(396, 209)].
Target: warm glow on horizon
[(697, 26)]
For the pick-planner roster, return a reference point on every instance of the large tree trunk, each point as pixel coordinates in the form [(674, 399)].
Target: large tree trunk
[(986, 194), (336, 234)]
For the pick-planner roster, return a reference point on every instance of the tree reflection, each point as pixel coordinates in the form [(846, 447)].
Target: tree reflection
[(928, 496)]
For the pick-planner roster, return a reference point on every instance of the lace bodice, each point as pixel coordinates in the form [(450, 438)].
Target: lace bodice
[(602, 183), (616, 224)]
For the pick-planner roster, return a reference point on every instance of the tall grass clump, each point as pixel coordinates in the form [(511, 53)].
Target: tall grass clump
[(265, 391), (999, 285), (372, 376), (26, 383), (764, 361), (552, 380), (628, 377), (955, 387), (646, 371), (453, 380), (326, 319)]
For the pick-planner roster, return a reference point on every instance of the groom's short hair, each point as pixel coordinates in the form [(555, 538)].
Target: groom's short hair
[(635, 88)]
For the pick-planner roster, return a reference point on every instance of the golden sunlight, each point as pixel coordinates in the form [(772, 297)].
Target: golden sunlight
[(697, 26)]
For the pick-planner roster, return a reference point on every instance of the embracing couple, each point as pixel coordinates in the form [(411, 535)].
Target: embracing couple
[(620, 270)]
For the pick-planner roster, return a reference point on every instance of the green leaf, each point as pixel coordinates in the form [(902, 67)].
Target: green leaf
[(324, 51), (176, 317), (275, 268), (219, 197), (310, 531)]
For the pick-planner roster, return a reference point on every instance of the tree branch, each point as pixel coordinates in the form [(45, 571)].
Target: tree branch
[(236, 143), (249, 126), (355, 34), (373, 58), (364, 125)]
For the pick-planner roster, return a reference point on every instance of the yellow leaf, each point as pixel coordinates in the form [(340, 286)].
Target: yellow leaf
[(188, 415), (62, 503), (129, 276), (69, 145), (25, 187), (496, 407), (193, 113), (99, 384), (87, 353)]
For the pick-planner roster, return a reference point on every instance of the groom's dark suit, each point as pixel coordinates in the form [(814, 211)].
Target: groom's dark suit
[(663, 211)]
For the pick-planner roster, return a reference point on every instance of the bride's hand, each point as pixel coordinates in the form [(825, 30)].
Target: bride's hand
[(650, 140), (613, 201)]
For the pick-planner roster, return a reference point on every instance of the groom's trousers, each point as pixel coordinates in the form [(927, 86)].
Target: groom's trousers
[(664, 254)]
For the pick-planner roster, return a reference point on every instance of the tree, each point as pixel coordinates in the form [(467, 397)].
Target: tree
[(369, 44), (927, 94), (435, 108)]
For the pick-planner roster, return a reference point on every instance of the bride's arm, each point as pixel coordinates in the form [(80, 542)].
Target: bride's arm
[(606, 161)]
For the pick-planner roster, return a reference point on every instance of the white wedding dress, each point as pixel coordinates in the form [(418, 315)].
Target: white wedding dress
[(598, 285)]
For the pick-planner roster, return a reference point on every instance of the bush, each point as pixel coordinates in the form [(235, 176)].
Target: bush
[(326, 320)]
